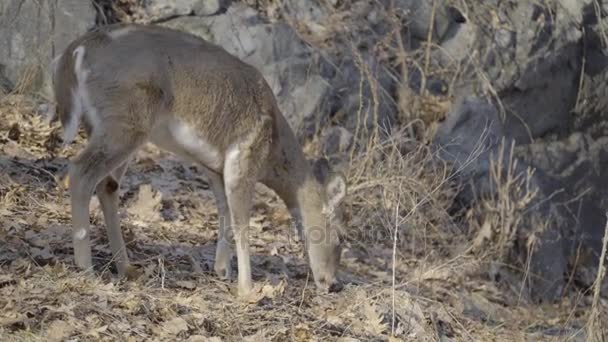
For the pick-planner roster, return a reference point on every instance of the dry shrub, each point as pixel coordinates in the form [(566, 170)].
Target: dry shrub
[(498, 213), (128, 11), (29, 79), (596, 326), (397, 184)]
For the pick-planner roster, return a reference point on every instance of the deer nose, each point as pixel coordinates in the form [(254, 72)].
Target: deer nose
[(336, 286), (329, 285)]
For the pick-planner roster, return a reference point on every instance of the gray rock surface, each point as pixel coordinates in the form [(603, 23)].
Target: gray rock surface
[(420, 13), (160, 10), (469, 138), (277, 51), (33, 32)]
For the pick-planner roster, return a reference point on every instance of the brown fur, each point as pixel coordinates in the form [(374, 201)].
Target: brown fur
[(142, 77)]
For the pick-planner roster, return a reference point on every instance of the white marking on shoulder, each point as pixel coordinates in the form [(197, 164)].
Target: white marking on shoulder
[(80, 234), (121, 32), (81, 100), (187, 138)]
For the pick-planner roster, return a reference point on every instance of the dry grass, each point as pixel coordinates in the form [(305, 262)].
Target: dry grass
[(420, 288), (596, 325), (409, 267), (497, 216)]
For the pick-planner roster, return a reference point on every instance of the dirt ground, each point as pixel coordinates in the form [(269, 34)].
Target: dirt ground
[(169, 221)]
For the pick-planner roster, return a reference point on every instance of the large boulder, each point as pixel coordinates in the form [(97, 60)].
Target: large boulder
[(556, 224), (159, 10), (422, 15), (527, 54), (277, 51), (33, 32)]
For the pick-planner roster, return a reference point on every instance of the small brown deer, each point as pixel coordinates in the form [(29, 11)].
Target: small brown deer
[(129, 84)]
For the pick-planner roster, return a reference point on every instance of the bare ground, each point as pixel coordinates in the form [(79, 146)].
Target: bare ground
[(169, 220)]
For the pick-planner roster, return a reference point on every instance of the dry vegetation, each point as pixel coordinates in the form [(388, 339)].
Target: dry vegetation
[(408, 264), (416, 269)]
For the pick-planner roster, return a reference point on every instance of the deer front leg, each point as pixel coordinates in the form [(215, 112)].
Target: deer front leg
[(239, 203), (239, 179), (223, 251)]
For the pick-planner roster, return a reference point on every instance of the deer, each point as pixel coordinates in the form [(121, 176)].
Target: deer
[(130, 84)]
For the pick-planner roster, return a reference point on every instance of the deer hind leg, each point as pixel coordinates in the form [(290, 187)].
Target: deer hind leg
[(101, 156), (223, 251), (242, 169), (107, 192)]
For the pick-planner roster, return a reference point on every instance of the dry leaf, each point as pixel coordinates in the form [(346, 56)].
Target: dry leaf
[(58, 331), (147, 205), (201, 338), (269, 291), (374, 321), (259, 336), (175, 326), (302, 333), (11, 318), (186, 284), (484, 234)]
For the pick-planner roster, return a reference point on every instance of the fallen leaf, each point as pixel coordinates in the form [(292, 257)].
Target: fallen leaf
[(302, 333), (484, 234), (175, 326), (12, 318), (58, 331), (259, 336), (374, 321), (201, 338), (186, 284), (147, 205)]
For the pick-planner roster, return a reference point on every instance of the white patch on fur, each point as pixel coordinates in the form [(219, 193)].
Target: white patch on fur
[(121, 32), (80, 234), (232, 171), (180, 138), (336, 191), (81, 100)]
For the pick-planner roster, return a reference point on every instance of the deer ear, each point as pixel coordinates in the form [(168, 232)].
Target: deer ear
[(336, 190), (320, 168)]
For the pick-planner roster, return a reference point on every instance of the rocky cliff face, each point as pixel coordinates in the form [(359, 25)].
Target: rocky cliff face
[(32, 33), (532, 73)]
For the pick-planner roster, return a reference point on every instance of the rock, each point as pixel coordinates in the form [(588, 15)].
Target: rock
[(306, 12), (459, 42), (36, 31), (518, 50), (469, 138), (354, 94), (469, 133), (6, 86), (160, 10), (337, 140), (208, 7), (275, 50), (418, 15)]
